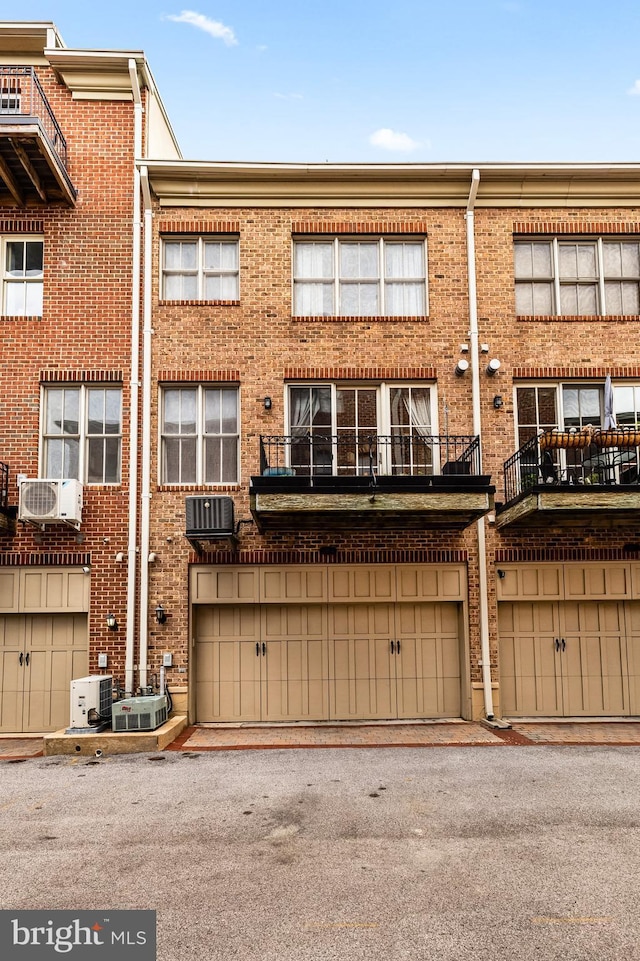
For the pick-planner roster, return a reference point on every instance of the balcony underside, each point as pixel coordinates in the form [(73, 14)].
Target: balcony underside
[(572, 506), (351, 503), (31, 172)]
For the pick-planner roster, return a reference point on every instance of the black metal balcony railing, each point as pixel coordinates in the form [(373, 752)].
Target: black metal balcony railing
[(351, 454), (4, 486), (22, 99), (532, 466)]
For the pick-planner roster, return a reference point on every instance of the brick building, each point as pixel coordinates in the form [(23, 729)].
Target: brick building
[(72, 124), (373, 474)]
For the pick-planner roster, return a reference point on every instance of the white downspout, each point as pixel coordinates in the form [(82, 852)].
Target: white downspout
[(145, 493), (483, 600), (129, 665)]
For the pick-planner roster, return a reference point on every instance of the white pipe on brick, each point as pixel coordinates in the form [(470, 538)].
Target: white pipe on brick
[(129, 668), (483, 600), (145, 492)]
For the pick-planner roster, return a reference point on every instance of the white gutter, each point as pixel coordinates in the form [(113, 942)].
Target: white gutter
[(483, 600), (145, 492), (129, 668)]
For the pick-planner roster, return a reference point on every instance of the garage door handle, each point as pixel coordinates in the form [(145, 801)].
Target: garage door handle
[(21, 659), (26, 659), (257, 649), (564, 644), (398, 647), (264, 649), (557, 643), (392, 647)]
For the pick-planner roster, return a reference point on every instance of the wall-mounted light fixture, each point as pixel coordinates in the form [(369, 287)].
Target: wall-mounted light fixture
[(493, 367), (112, 623), (86, 569), (267, 403), (461, 367), (161, 614), (501, 574), (498, 402)]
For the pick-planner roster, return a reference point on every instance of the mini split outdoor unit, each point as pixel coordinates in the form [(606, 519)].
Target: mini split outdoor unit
[(209, 517), (91, 701), (50, 501), (139, 713)]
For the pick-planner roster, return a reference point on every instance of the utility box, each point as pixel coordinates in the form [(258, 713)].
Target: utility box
[(139, 713)]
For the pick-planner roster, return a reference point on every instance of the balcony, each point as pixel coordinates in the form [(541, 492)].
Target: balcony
[(33, 150), (7, 514), (352, 481), (573, 479)]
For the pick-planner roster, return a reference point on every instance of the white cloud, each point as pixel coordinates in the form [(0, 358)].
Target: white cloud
[(635, 90), (212, 27), (389, 139)]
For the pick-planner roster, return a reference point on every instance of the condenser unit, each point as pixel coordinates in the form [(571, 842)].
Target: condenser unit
[(91, 702), (50, 501), (139, 713)]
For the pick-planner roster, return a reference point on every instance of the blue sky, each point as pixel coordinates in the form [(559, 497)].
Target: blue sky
[(381, 80)]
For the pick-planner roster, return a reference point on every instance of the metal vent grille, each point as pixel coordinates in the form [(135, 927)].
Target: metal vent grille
[(209, 516), (40, 498)]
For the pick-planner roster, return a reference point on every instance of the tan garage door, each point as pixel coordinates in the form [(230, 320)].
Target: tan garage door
[(39, 655), (569, 658), (351, 657)]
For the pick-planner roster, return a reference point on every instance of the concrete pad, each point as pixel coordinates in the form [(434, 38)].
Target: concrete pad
[(110, 742)]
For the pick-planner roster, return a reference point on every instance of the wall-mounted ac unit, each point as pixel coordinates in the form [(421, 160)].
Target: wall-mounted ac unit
[(91, 701), (50, 501), (139, 713), (210, 517)]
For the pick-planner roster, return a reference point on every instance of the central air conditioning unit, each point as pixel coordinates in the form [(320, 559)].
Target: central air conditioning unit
[(50, 502), (91, 702), (139, 713)]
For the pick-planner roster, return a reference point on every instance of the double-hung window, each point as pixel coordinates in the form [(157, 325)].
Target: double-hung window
[(345, 429), (202, 268), (82, 434), (22, 276), (376, 277), (199, 435), (598, 276)]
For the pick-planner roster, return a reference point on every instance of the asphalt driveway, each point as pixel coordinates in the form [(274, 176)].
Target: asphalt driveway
[(456, 853)]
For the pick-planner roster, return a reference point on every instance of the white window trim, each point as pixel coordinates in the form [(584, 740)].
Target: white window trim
[(199, 435), (336, 281), (5, 239), (83, 455), (556, 282), (199, 270)]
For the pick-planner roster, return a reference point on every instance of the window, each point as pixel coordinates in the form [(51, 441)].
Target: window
[(205, 268), (359, 278), (200, 435), (82, 436), (586, 277), (348, 429), (22, 278)]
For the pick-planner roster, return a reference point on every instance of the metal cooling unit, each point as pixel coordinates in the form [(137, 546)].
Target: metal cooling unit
[(139, 713), (91, 701)]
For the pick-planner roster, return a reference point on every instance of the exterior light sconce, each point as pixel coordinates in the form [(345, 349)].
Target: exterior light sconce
[(112, 623), (501, 574), (493, 367), (461, 367), (267, 403), (161, 614), (498, 402)]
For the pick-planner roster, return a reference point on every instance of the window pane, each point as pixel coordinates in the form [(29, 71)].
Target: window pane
[(112, 460), (630, 260), (403, 260), (587, 299), (220, 288), (229, 472), (71, 466), (95, 412), (187, 460), (171, 467), (53, 458), (612, 258), (229, 411), (187, 411), (359, 300), (54, 401), (15, 258), (172, 256), (313, 260), (71, 417), (188, 256), (173, 287), (313, 300), (577, 260), (524, 299), (404, 300), (526, 401), (95, 456), (346, 408), (547, 412), (212, 412), (368, 409), (34, 258), (113, 403), (626, 404), (532, 260), (172, 412), (358, 260), (220, 255), (33, 305)]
